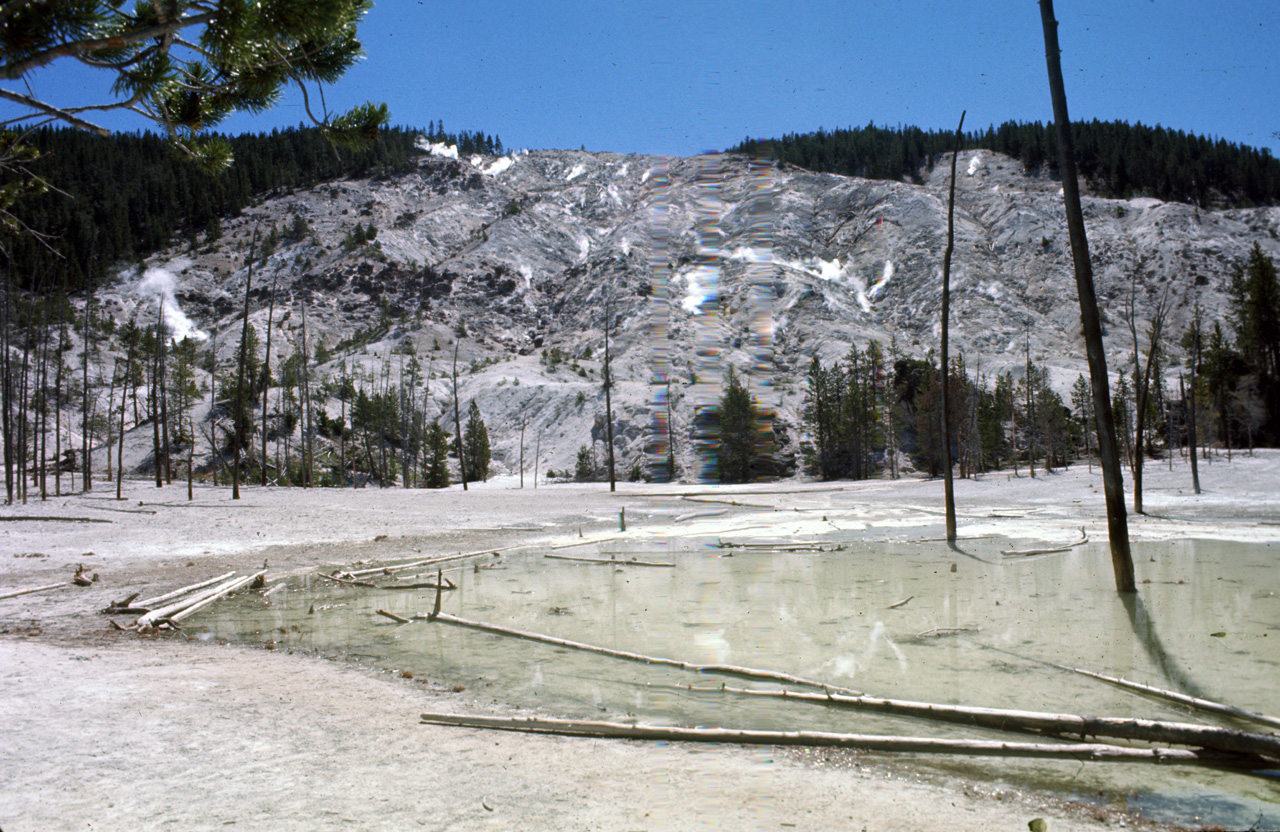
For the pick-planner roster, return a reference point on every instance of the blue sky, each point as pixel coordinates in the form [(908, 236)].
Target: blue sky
[(679, 78)]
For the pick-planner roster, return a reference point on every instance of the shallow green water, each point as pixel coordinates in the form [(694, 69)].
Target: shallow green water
[(827, 616)]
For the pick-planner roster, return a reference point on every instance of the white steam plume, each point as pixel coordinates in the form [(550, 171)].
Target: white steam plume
[(158, 284)]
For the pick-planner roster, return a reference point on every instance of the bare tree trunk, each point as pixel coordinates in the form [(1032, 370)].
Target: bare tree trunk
[(237, 422), (158, 452), (457, 419), (608, 401), (523, 420), (1112, 475), (1031, 409), (6, 397), (124, 406), (266, 370), (57, 400), (1191, 413), (949, 497), (42, 390), (86, 418), (308, 457), (1140, 417)]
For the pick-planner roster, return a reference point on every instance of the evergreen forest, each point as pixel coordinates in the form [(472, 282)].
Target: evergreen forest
[(1118, 159), (117, 199)]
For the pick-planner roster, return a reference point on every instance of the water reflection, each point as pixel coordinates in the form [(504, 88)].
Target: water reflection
[(979, 629)]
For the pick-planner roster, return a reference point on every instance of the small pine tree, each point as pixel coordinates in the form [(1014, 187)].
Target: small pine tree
[(475, 441), (739, 420), (437, 474), (584, 469)]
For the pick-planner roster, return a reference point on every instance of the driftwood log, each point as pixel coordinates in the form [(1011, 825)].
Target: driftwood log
[(396, 567), (15, 593), (1190, 701), (199, 605), (150, 603), (1225, 740), (614, 561), (911, 745), (184, 607), (717, 669)]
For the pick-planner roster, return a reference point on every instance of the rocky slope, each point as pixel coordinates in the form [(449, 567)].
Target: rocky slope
[(702, 262)]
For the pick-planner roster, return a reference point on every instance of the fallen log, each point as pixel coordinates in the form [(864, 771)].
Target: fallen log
[(937, 632), (614, 561), (398, 618), (775, 547), (1084, 538), (274, 589), (1225, 740), (346, 581), (15, 593), (151, 618), (1190, 701), (177, 593), (20, 518), (901, 603), (587, 542), (1099, 752), (199, 605), (447, 585), (388, 569), (716, 669)]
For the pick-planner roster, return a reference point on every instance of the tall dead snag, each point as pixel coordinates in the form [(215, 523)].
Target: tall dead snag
[(238, 424), (457, 419), (266, 372), (608, 401), (1108, 452), (1191, 409), (1142, 381), (948, 485)]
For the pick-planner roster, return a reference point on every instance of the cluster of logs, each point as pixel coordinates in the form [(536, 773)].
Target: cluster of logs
[(165, 611)]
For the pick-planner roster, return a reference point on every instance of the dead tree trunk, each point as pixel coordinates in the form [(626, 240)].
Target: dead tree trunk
[(457, 419), (1144, 385), (608, 400), (266, 372), (1112, 475), (237, 422), (949, 496)]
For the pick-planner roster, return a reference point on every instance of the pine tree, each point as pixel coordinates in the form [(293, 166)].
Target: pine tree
[(437, 469), (475, 442), (739, 423)]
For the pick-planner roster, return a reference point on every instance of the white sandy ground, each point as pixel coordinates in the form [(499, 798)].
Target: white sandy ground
[(103, 730)]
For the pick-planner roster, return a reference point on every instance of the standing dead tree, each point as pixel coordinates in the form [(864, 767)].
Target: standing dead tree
[(1108, 451), (244, 357), (1143, 382), (948, 485)]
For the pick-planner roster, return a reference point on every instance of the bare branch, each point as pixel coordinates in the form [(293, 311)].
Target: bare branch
[(62, 115)]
